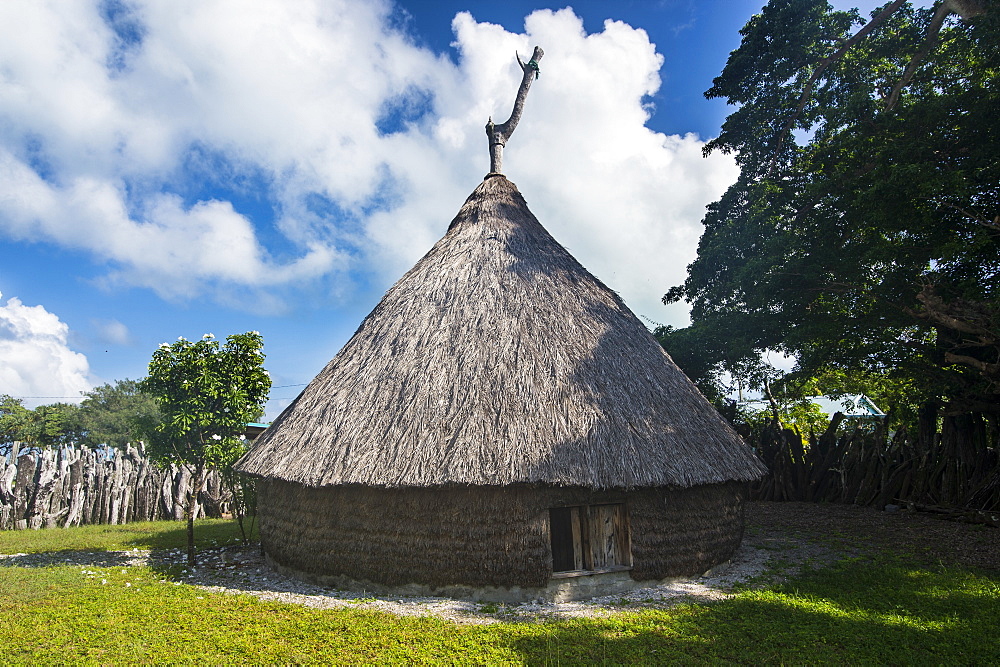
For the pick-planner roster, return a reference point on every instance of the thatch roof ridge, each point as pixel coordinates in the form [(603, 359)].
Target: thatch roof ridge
[(498, 359)]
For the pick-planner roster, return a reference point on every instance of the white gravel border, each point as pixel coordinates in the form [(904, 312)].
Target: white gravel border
[(241, 570)]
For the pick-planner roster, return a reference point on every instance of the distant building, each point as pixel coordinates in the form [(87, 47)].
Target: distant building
[(254, 429), (852, 406)]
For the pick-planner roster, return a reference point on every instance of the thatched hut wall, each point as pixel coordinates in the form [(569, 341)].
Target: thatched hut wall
[(682, 532), (483, 536)]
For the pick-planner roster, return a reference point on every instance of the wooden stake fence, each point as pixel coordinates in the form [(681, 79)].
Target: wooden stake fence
[(72, 486), (957, 467)]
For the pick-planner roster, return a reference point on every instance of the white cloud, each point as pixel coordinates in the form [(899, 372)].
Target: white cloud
[(112, 332), (106, 145), (35, 358), (173, 250), (625, 200)]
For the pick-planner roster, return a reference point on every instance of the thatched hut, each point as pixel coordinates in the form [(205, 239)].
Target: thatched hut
[(499, 418), (500, 423)]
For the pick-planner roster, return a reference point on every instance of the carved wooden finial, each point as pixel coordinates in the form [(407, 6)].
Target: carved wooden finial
[(499, 134)]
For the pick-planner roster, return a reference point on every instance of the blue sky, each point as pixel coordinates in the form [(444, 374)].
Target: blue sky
[(176, 168)]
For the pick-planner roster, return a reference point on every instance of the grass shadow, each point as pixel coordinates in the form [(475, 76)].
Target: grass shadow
[(68, 557), (890, 611)]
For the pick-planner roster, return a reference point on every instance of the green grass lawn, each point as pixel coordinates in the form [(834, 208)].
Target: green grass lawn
[(141, 535), (886, 612)]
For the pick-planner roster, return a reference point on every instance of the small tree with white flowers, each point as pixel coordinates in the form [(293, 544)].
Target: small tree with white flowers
[(208, 392)]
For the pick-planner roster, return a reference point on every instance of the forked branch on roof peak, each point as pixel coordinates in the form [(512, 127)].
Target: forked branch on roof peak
[(499, 134)]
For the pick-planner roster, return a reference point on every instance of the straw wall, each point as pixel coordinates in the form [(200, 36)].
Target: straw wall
[(483, 536), (682, 532)]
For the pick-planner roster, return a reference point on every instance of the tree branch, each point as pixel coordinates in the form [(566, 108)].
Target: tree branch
[(911, 67), (948, 315), (499, 134), (961, 406), (978, 219), (966, 9), (983, 367), (826, 62)]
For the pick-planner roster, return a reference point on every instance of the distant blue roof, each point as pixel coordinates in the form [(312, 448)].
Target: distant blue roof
[(254, 429), (851, 405)]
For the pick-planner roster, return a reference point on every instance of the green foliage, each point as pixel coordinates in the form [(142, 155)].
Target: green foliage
[(117, 414), (800, 415), (112, 414), (14, 418), (866, 240), (207, 394), (45, 426), (793, 394), (59, 424)]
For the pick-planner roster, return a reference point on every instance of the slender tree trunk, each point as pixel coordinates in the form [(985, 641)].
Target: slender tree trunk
[(191, 506), (238, 495), (243, 532), (189, 517)]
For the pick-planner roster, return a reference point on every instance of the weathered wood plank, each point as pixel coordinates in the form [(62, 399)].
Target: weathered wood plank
[(577, 538)]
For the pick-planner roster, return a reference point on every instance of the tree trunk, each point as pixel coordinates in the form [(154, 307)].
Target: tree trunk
[(191, 508), (189, 517)]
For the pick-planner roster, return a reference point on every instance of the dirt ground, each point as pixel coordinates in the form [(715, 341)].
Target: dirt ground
[(933, 539)]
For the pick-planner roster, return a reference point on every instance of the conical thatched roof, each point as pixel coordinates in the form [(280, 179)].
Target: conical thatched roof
[(498, 359)]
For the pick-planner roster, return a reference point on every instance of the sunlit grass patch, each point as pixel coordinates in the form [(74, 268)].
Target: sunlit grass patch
[(141, 535)]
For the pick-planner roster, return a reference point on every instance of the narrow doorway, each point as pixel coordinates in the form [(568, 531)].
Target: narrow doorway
[(589, 538)]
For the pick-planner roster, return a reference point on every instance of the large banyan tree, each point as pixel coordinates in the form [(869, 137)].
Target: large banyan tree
[(863, 235), (502, 423)]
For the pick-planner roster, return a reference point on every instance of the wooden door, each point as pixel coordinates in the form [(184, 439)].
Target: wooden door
[(609, 545)]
